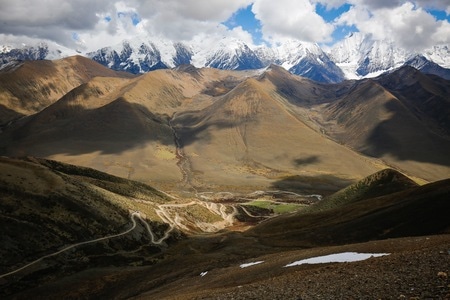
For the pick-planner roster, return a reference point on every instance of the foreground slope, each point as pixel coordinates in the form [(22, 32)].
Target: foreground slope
[(223, 264), (48, 206)]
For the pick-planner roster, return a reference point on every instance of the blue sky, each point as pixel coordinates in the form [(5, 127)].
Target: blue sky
[(439, 14), (245, 18)]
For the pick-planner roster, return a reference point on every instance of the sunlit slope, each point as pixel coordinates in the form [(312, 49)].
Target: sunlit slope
[(30, 86), (99, 125), (119, 125), (251, 133), (194, 129), (400, 117), (382, 183)]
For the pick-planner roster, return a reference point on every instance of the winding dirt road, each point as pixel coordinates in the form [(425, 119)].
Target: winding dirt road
[(133, 217)]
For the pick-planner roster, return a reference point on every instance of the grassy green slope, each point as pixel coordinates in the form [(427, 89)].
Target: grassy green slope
[(381, 183)]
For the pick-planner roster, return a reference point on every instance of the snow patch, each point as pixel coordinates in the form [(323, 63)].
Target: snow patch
[(251, 264), (202, 274), (338, 257)]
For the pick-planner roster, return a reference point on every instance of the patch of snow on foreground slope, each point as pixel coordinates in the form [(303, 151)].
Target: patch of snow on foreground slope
[(251, 264), (338, 257)]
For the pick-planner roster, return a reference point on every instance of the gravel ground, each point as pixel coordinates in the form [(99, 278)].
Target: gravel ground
[(416, 268), (405, 274)]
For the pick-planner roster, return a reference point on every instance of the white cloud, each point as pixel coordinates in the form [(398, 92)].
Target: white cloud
[(291, 19), (184, 19), (408, 25), (58, 20), (79, 14), (376, 4), (435, 4), (103, 22), (50, 19)]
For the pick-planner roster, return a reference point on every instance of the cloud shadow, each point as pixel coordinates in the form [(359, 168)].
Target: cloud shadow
[(74, 130), (320, 184), (406, 137), (312, 159)]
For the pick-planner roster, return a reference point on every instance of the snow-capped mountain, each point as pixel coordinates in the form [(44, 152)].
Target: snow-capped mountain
[(440, 55), (140, 56), (42, 50), (426, 66), (302, 58), (229, 54), (360, 56), (355, 57)]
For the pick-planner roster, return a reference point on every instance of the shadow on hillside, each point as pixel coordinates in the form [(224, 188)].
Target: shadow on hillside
[(7, 115), (192, 128), (74, 130), (407, 138), (307, 93), (322, 184), (306, 160)]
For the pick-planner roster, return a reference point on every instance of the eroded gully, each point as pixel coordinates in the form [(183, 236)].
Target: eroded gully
[(183, 162)]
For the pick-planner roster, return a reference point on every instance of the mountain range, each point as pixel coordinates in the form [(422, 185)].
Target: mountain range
[(355, 57), (271, 121)]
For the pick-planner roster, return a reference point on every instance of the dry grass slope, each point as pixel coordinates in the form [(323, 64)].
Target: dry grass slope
[(382, 183), (33, 85)]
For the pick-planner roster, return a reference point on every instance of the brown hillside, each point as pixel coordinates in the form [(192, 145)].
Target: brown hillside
[(427, 96), (31, 86), (251, 132), (373, 121), (232, 129), (117, 125), (99, 125), (302, 91)]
